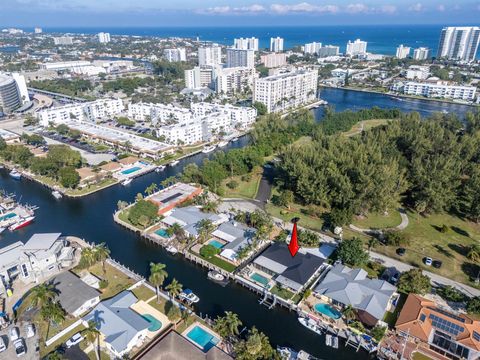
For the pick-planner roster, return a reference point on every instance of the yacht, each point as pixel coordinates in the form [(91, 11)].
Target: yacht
[(160, 168), (222, 143), (126, 182), (57, 194), (22, 222), (173, 163), (189, 296), (310, 324), (215, 275), (208, 149), (15, 175)]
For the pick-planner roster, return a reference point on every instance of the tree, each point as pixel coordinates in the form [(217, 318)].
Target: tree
[(101, 253), (143, 208), (157, 276), (474, 253), (261, 108), (69, 177), (351, 252), (227, 325), (53, 313), (378, 332), (174, 288), (121, 204), (172, 311), (349, 313), (210, 207), (285, 198), (205, 228), (255, 347), (92, 335), (396, 238), (88, 257), (473, 305), (413, 281), (209, 251), (151, 189), (42, 294)]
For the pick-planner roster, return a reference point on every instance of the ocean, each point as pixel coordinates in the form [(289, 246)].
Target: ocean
[(382, 39)]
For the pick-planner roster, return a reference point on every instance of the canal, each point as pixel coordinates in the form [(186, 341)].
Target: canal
[(91, 218)]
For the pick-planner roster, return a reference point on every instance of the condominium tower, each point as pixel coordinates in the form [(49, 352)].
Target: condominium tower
[(358, 47), (402, 52), (276, 44), (459, 43), (246, 43), (239, 57), (209, 55)]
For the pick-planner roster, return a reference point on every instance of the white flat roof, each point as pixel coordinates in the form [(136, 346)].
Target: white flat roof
[(8, 135)]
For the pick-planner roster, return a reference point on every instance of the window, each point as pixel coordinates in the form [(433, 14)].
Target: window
[(422, 317)]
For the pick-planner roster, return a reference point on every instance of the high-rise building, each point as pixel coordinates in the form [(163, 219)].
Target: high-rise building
[(358, 47), (63, 40), (421, 53), (328, 50), (38, 30), (9, 94), (274, 60), (234, 79), (240, 58), (22, 87), (246, 43), (103, 38), (276, 44), (459, 43), (209, 55), (199, 77), (402, 52), (312, 48), (174, 55), (286, 90)]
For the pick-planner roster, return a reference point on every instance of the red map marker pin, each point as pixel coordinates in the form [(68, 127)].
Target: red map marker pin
[(293, 246)]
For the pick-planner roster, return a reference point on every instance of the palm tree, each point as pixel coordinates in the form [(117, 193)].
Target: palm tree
[(42, 294), (205, 228), (474, 253), (102, 252), (372, 242), (92, 335), (56, 355), (88, 256), (151, 189), (174, 288), (157, 276), (52, 312), (232, 323), (349, 312), (210, 206)]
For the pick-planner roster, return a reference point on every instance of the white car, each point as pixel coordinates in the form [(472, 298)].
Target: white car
[(29, 331), (74, 340), (428, 261), (14, 335), (2, 345), (19, 347)]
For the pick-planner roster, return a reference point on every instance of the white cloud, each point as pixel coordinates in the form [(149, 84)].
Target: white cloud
[(303, 7), (441, 7), (252, 9), (418, 7), (357, 8), (388, 9)]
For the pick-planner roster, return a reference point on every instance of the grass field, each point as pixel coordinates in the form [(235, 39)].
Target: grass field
[(365, 125), (378, 221), (245, 189)]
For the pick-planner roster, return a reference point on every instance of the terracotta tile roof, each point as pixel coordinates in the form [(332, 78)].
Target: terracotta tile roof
[(415, 319), (111, 166), (85, 173), (128, 160)]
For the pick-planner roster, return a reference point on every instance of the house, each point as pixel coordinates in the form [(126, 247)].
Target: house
[(343, 286), (189, 217), (294, 272), (75, 296), (121, 327), (453, 335), (42, 255), (174, 346), (235, 236), (167, 199)]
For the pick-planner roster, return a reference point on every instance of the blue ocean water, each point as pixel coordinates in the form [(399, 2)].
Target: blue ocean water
[(382, 39)]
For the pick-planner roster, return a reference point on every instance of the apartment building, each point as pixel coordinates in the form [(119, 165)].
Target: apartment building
[(402, 52), (189, 132), (63, 40), (274, 60), (328, 50), (103, 37), (421, 53), (209, 55), (436, 90), (276, 44), (240, 58), (199, 77), (358, 47), (175, 55), (417, 72), (246, 43), (312, 48), (158, 113), (459, 43), (241, 117), (234, 80)]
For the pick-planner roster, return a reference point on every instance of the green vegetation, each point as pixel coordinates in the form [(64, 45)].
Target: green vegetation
[(378, 332), (209, 251), (473, 305), (143, 213), (378, 221), (419, 356), (282, 292), (222, 264), (351, 252), (122, 120), (128, 85), (449, 293), (76, 87), (143, 293), (413, 281), (247, 185)]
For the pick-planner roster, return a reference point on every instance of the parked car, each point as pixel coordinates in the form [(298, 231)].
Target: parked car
[(13, 333), (29, 331), (437, 264), (394, 278), (19, 347), (74, 340), (401, 251), (428, 261), (3, 347)]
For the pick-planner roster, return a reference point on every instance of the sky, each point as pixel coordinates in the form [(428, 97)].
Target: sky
[(160, 13)]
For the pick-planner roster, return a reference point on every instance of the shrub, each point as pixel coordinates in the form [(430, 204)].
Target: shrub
[(247, 177), (351, 252), (172, 311), (473, 305), (413, 281), (142, 213), (103, 284), (396, 238), (232, 184), (378, 332), (209, 251), (450, 293), (444, 229)]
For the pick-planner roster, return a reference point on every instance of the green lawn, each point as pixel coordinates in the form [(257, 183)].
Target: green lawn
[(378, 221), (283, 293), (450, 247), (143, 293), (367, 125), (92, 188), (220, 263), (245, 189)]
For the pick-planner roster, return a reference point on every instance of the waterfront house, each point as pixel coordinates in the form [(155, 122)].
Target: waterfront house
[(343, 286), (293, 273), (75, 296), (189, 217), (120, 326), (42, 255), (174, 346), (452, 335), (233, 236), (169, 198)]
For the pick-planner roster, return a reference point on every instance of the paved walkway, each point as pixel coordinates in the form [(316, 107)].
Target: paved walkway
[(403, 224)]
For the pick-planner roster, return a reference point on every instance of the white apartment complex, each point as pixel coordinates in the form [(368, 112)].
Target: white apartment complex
[(421, 53), (274, 60), (358, 47), (209, 55), (328, 50), (234, 79), (312, 48), (103, 38), (276, 44), (199, 77), (436, 90), (240, 57), (290, 89), (89, 111), (459, 43), (63, 40), (402, 52), (241, 117), (38, 30), (417, 72), (158, 113), (190, 132), (175, 55), (246, 43)]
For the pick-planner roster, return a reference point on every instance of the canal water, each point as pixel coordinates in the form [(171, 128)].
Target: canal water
[(91, 218)]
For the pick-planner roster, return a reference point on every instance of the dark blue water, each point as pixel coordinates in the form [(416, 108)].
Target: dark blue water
[(382, 39), (91, 218)]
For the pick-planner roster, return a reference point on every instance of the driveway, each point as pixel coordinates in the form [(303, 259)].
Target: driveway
[(75, 353), (31, 344), (265, 187)]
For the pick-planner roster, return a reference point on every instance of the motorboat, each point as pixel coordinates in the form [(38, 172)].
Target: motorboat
[(188, 296), (222, 143), (287, 353), (208, 149), (57, 194), (335, 342), (328, 340), (171, 249), (14, 174), (160, 168), (21, 223), (310, 324), (215, 275), (234, 139), (126, 182), (173, 163)]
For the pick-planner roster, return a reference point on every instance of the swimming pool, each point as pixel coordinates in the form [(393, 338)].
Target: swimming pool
[(155, 324), (7, 216), (216, 243), (131, 170), (260, 279), (202, 338), (327, 310), (163, 233)]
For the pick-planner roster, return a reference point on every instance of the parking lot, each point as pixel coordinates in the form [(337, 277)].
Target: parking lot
[(31, 344)]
